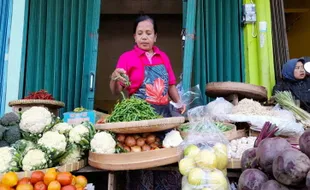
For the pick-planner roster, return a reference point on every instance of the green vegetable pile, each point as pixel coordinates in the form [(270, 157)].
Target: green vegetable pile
[(9, 129), (132, 109), (201, 127)]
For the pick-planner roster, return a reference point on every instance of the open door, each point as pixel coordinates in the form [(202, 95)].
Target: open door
[(61, 50)]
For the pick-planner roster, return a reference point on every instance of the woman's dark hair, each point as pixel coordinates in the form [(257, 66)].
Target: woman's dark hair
[(144, 18)]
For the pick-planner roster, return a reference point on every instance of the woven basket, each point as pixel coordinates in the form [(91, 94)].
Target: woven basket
[(224, 89), (134, 160), (20, 106), (144, 126), (65, 168), (37, 102)]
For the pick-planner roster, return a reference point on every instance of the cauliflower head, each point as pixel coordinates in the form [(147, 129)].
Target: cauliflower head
[(53, 141), (103, 142), (74, 155), (35, 120), (77, 133), (62, 128), (7, 162), (35, 159), (172, 139)]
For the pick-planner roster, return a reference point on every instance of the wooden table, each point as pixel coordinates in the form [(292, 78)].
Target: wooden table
[(231, 173)]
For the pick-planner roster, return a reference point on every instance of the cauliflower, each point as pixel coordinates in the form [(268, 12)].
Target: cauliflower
[(35, 120), (172, 139), (35, 159), (73, 155), (103, 142), (21, 148), (7, 162), (77, 133), (53, 141), (62, 128)]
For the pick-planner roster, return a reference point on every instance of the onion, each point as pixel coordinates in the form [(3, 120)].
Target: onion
[(140, 142), (121, 138), (127, 148), (144, 135), (150, 139), (146, 147), (130, 141), (153, 145), (136, 136), (136, 149)]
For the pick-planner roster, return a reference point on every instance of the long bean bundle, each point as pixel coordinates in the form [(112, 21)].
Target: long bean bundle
[(132, 109)]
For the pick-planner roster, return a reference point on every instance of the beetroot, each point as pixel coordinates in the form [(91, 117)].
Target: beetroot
[(273, 185), (248, 159), (268, 149), (304, 142), (290, 167), (308, 180), (251, 179)]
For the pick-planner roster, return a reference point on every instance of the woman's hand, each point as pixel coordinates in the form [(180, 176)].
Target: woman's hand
[(117, 75), (182, 109)]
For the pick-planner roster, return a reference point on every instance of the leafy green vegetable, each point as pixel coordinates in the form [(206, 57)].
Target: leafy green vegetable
[(201, 128)]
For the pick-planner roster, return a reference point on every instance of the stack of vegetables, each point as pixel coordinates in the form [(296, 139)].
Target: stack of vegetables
[(275, 164), (51, 180), (109, 143), (45, 142)]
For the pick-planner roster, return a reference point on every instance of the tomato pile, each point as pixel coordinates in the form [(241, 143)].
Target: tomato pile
[(51, 180)]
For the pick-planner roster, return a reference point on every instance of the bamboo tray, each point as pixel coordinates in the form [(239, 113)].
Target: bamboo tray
[(37, 102), (134, 160), (65, 168), (234, 163), (224, 89), (144, 126)]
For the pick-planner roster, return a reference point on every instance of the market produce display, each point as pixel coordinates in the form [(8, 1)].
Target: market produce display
[(236, 147), (205, 158), (109, 143), (51, 180), (222, 126), (41, 94), (275, 164), (132, 109), (39, 140)]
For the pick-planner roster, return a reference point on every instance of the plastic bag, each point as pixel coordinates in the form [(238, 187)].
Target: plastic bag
[(219, 106), (191, 98), (205, 157)]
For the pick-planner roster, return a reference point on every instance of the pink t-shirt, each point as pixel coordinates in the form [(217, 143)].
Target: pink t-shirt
[(133, 63)]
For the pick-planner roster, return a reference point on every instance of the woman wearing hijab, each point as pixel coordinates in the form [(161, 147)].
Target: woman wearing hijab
[(295, 80)]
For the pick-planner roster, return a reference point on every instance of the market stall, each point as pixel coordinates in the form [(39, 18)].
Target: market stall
[(216, 146)]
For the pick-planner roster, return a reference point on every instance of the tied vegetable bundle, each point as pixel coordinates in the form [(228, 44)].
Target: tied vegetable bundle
[(132, 109)]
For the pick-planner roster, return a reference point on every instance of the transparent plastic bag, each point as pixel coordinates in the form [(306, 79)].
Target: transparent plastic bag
[(191, 98), (205, 157)]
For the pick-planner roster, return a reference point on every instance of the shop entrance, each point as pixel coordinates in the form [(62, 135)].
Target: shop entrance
[(116, 37)]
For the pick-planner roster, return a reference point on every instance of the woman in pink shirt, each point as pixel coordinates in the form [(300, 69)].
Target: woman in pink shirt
[(148, 68), (152, 79)]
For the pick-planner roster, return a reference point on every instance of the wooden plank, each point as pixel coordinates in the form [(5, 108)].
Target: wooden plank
[(111, 181), (296, 6)]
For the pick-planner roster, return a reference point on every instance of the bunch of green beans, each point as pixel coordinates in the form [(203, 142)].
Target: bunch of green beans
[(132, 109)]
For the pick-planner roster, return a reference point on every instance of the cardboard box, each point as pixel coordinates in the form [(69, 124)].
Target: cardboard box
[(75, 118)]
